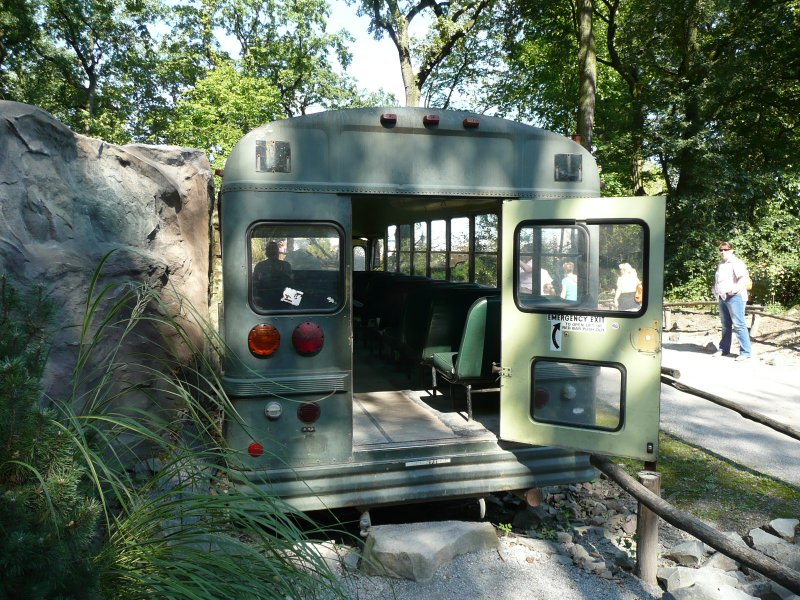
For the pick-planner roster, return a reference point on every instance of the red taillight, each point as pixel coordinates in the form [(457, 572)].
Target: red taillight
[(263, 340), (308, 338), (540, 398), (430, 120), (308, 412), (255, 449)]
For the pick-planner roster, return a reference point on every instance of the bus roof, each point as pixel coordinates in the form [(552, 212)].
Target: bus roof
[(410, 152)]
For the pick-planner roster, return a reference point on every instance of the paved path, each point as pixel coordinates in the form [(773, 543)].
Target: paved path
[(771, 389)]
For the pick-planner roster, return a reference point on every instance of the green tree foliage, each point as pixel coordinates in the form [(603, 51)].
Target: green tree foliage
[(220, 108), (47, 521), (470, 67), (126, 70), (697, 99), (286, 44), (89, 62), (451, 24)]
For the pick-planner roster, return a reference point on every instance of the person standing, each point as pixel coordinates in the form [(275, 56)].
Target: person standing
[(730, 290), (625, 294), (569, 285)]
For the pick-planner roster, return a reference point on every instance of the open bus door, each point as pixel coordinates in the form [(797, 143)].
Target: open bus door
[(581, 363)]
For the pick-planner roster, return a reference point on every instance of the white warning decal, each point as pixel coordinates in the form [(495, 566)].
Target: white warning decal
[(292, 296), (583, 323)]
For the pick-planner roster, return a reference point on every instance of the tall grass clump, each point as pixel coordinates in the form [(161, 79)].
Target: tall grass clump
[(123, 487)]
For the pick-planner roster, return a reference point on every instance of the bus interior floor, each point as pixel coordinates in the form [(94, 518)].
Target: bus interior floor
[(391, 406)]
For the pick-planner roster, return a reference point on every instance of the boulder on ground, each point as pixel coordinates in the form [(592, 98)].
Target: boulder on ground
[(416, 550), (67, 200)]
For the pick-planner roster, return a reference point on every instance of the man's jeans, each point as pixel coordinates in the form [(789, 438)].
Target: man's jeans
[(731, 311)]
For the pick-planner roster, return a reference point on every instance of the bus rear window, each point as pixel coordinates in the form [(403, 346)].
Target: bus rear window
[(295, 267), (595, 266)]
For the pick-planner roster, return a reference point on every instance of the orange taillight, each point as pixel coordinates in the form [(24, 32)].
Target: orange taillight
[(263, 340)]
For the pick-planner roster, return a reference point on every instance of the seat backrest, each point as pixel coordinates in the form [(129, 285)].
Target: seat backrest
[(447, 317), (480, 343), (393, 300)]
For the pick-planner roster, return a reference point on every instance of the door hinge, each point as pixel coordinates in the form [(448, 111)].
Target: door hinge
[(503, 371)]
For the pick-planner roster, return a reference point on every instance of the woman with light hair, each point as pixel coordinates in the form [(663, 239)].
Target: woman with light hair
[(625, 295)]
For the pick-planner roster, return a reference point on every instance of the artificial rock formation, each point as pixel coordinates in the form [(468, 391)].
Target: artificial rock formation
[(67, 200)]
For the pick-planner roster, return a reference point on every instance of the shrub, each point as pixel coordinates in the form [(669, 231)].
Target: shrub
[(47, 519), (78, 521)]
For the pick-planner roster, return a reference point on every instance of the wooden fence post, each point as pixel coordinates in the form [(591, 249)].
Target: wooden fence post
[(739, 552), (647, 531)]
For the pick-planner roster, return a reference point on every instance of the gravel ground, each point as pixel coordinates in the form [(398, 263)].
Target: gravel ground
[(512, 572), (515, 571)]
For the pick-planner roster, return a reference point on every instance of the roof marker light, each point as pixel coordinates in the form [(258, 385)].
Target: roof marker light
[(430, 120), (471, 123), (388, 119)]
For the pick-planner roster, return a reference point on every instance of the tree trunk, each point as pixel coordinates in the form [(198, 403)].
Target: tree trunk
[(413, 93), (637, 140), (689, 177), (587, 59), (630, 75)]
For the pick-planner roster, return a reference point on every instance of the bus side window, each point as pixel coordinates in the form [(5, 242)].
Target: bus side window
[(359, 258)]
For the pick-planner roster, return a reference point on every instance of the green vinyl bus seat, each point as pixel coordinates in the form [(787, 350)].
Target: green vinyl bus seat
[(472, 365), (433, 321)]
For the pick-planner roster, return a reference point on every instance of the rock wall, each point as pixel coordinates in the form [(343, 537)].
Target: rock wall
[(66, 200)]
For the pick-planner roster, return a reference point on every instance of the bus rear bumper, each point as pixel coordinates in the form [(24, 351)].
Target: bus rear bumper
[(371, 480)]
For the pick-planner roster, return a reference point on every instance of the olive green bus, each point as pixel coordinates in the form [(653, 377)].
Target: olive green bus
[(422, 305)]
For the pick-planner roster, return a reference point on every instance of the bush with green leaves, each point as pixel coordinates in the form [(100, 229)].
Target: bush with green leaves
[(766, 242), (47, 518), (77, 520)]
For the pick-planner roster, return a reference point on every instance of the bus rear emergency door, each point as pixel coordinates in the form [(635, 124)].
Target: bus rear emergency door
[(581, 324)]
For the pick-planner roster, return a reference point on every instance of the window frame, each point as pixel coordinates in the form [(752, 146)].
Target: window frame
[(415, 256), (562, 306), (291, 311)]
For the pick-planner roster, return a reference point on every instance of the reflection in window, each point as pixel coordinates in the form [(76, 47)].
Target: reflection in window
[(579, 395), (556, 269), (621, 266), (391, 248), (359, 258), (486, 234), (553, 265), (439, 249), (295, 268), (459, 249), (377, 255), (404, 253), (420, 249)]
